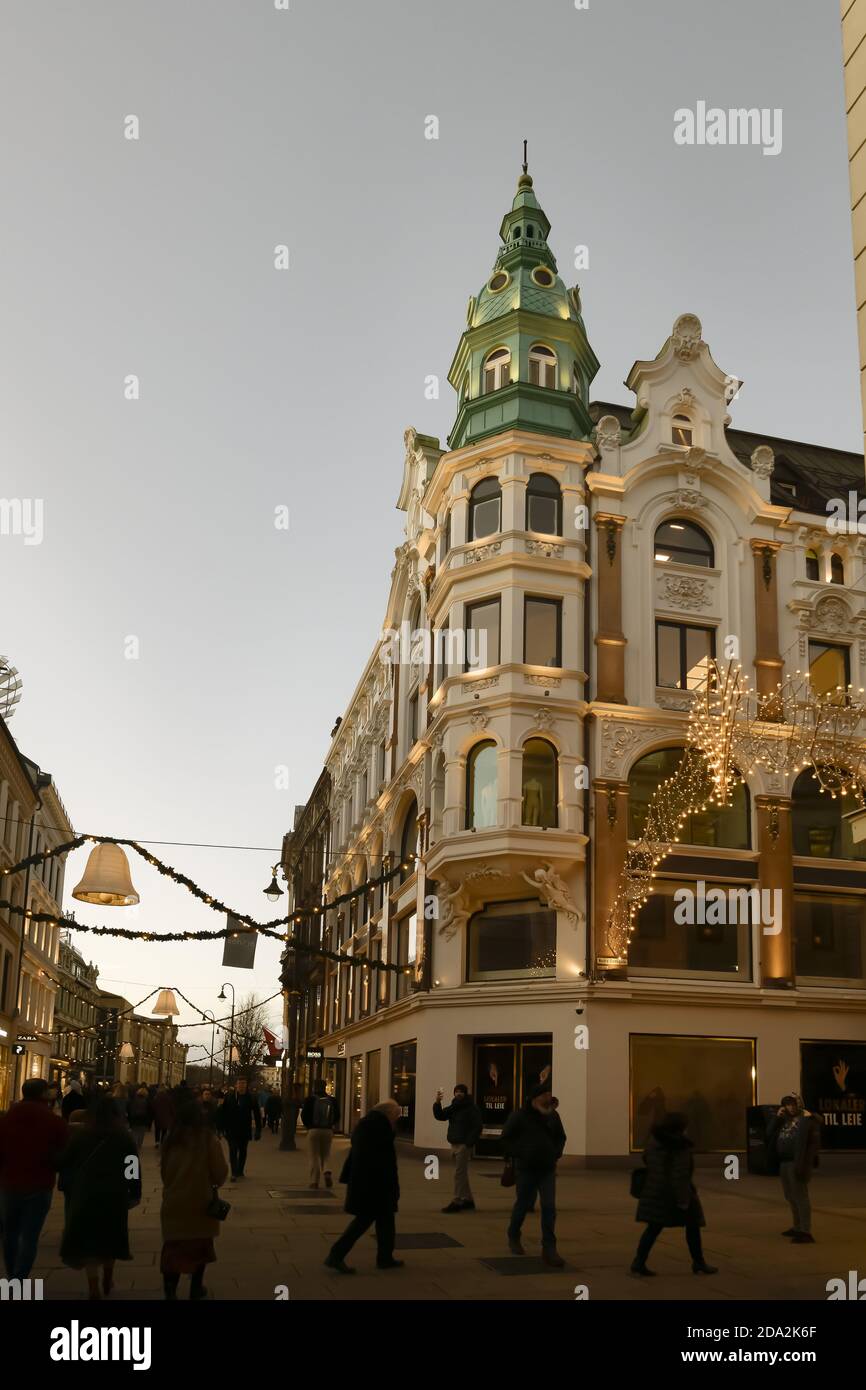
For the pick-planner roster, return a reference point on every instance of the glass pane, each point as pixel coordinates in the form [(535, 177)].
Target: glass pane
[(539, 783), (543, 515), (710, 1080), (828, 668), (482, 638), (517, 939), (550, 375), (704, 945), (485, 518), (668, 655), (699, 649), (818, 828), (829, 936), (482, 786), (542, 631)]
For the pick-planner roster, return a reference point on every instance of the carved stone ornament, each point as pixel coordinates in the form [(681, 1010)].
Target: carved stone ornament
[(686, 337), (455, 907), (413, 453), (681, 591), (833, 615), (619, 741), (479, 718), (543, 718), (763, 461), (548, 682), (675, 699), (548, 548), (553, 891), (608, 433), (482, 552), (687, 500), (483, 685)]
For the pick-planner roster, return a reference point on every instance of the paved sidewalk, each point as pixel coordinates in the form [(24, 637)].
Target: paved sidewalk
[(279, 1232)]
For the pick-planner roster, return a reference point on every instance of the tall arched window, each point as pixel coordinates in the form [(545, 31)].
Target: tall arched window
[(725, 827), (837, 569), (542, 366), (539, 783), (684, 543), (682, 430), (813, 569), (818, 828), (544, 505), (481, 786), (497, 370), (485, 509), (409, 840)]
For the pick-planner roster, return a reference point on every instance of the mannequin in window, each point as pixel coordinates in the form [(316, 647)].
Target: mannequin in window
[(533, 801)]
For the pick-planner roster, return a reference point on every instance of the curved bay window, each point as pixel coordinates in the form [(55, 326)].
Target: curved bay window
[(684, 543), (539, 783), (409, 841), (481, 786), (817, 826), (512, 941), (485, 509), (718, 827), (542, 366), (544, 505)]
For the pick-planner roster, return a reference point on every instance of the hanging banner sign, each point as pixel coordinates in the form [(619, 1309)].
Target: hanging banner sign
[(239, 952)]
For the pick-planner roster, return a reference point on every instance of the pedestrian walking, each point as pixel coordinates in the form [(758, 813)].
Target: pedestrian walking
[(100, 1175), (31, 1141), (533, 1139), (140, 1115), (273, 1112), (465, 1123), (372, 1188), (193, 1168), (238, 1114), (319, 1117), (209, 1106), (120, 1097), (262, 1097), (163, 1113), (794, 1140), (73, 1100), (667, 1195)]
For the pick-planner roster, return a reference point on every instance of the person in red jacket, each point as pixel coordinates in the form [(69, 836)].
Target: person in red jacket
[(31, 1140)]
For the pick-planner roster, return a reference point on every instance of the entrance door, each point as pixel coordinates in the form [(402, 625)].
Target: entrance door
[(403, 1062), (507, 1069)]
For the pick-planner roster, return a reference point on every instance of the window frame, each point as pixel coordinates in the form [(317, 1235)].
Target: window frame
[(680, 554), (543, 494), (474, 503), (498, 367), (468, 612), (543, 362), (482, 745), (682, 628), (555, 603)]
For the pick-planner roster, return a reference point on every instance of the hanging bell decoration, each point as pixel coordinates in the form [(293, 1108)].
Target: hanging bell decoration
[(166, 1003), (107, 880)]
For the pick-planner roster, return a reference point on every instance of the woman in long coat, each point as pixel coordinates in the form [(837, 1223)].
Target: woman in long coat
[(101, 1179), (669, 1196), (192, 1164)]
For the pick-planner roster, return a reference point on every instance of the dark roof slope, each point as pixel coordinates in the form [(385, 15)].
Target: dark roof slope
[(806, 476)]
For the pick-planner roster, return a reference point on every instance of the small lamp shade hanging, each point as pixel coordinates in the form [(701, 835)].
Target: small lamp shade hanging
[(107, 880), (273, 891), (166, 1003), (127, 1052)]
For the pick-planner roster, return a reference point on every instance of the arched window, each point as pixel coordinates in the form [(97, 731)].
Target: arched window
[(485, 507), (837, 569), (685, 543), (544, 505), (725, 827), (481, 786), (817, 825), (497, 370), (409, 840), (682, 430), (542, 366), (539, 783), (813, 570)]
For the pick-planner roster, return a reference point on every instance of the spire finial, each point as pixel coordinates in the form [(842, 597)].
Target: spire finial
[(525, 164)]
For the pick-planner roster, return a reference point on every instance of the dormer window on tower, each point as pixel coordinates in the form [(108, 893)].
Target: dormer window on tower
[(542, 366), (497, 370), (682, 431)]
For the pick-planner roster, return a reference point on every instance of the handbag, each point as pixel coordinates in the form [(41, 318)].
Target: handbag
[(508, 1179), (217, 1208)]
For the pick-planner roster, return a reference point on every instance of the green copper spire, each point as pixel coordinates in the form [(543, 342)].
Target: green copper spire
[(524, 361)]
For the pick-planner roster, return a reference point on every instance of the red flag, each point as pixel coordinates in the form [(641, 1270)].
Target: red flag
[(272, 1043)]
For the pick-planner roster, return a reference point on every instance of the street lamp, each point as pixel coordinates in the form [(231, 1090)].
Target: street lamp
[(222, 995), (209, 1013), (273, 892)]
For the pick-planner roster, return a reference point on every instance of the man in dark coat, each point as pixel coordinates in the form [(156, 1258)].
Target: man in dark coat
[(373, 1189), (31, 1141), (533, 1138), (794, 1139), (237, 1115), (465, 1123), (669, 1197), (73, 1099)]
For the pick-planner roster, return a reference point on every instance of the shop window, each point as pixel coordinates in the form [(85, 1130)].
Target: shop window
[(481, 786), (482, 634), (718, 827), (542, 366), (830, 671), (542, 627), (709, 1080), (683, 653), (813, 569), (544, 505), (818, 827), (684, 543), (512, 940), (485, 509), (691, 928), (403, 1068), (830, 938), (539, 782)]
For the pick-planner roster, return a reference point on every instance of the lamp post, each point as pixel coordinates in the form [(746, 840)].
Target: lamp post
[(222, 995), (205, 1014)]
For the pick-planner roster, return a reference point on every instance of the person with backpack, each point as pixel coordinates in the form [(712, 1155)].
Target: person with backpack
[(319, 1117), (465, 1123), (794, 1140), (667, 1195)]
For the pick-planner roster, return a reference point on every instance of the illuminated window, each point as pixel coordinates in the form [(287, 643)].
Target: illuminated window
[(481, 786), (682, 654), (718, 827), (830, 671), (682, 431), (539, 783), (684, 543)]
